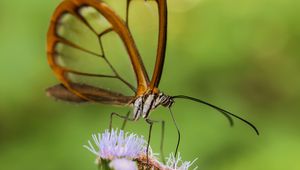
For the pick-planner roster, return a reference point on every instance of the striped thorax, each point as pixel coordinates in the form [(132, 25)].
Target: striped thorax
[(144, 104)]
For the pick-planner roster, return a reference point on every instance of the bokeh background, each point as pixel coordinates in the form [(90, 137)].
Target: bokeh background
[(240, 55)]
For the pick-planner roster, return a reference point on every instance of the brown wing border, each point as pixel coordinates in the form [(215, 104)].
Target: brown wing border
[(161, 45), (118, 25)]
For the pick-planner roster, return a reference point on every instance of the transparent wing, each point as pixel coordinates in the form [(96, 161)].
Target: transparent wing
[(91, 49), (147, 21), (153, 16)]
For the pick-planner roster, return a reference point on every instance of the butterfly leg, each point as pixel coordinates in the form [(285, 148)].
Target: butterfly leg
[(151, 122), (125, 118)]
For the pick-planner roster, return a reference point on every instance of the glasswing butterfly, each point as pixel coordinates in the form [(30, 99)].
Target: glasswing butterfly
[(96, 18)]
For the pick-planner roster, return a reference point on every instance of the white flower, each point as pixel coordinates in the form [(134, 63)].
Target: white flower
[(178, 164), (123, 164), (124, 151), (117, 144)]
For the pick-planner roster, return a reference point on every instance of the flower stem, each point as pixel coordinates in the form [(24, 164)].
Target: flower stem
[(103, 165)]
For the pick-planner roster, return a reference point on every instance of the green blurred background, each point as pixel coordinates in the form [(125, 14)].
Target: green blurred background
[(240, 55)]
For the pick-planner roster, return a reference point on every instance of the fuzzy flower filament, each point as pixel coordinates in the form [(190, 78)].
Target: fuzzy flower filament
[(127, 151), (117, 144)]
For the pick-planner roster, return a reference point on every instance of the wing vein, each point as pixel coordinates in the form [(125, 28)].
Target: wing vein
[(69, 43), (109, 63)]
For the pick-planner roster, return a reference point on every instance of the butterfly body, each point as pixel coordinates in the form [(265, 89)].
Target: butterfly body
[(143, 105)]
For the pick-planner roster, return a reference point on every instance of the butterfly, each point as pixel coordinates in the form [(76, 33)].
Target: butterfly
[(87, 15)]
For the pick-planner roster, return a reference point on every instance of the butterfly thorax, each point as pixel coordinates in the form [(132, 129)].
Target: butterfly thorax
[(144, 104)]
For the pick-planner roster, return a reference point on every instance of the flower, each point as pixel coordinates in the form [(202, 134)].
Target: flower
[(178, 164), (123, 164), (117, 144), (127, 151)]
